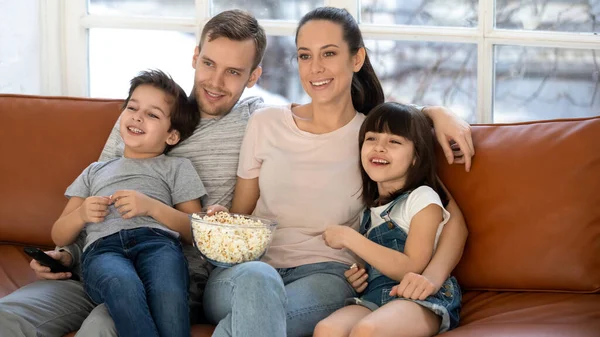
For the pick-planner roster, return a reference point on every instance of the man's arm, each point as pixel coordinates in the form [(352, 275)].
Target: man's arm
[(451, 131)]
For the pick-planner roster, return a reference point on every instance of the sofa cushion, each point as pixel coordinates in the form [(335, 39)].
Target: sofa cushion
[(62, 136), (532, 206), (528, 314), (14, 269)]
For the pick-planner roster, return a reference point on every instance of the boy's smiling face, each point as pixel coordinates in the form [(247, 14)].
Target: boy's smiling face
[(145, 123)]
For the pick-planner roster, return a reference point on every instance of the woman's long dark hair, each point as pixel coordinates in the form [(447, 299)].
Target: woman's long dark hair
[(366, 90), (410, 123)]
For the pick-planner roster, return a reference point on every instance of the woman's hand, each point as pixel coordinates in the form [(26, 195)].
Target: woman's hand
[(453, 134), (357, 277), (415, 287)]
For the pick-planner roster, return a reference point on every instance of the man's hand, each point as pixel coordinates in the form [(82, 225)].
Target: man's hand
[(414, 286), (335, 236), (94, 209), (214, 209), (357, 277), (453, 134), (132, 203), (43, 273)]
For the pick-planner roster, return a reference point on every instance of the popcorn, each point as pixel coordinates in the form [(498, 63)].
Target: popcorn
[(230, 238)]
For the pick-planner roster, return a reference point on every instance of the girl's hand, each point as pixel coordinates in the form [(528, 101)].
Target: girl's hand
[(213, 209), (335, 236), (415, 287), (357, 277), (94, 209), (131, 203)]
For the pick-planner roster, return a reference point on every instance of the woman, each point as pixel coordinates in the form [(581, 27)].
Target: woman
[(299, 165)]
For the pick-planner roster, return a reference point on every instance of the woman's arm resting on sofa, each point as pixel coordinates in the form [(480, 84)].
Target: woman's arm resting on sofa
[(448, 253), (450, 129)]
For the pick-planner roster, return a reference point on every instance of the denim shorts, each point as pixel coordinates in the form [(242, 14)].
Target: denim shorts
[(445, 303)]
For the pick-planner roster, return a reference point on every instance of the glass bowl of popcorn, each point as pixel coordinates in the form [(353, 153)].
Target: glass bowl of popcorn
[(226, 239)]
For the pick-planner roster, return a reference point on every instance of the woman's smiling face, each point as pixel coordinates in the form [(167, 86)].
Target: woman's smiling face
[(325, 64)]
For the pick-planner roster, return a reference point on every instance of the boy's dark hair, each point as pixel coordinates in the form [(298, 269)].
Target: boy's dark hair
[(410, 123), (366, 89), (236, 25), (184, 118)]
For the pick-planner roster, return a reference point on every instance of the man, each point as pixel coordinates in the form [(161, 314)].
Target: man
[(226, 61)]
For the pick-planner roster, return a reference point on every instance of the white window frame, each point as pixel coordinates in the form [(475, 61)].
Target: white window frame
[(65, 44)]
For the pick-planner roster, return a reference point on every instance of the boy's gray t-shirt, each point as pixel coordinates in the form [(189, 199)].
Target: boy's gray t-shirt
[(170, 180)]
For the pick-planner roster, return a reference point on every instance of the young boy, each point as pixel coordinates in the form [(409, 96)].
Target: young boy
[(133, 260)]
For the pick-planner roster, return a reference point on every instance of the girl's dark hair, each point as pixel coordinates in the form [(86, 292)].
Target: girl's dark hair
[(366, 90), (183, 115), (410, 123)]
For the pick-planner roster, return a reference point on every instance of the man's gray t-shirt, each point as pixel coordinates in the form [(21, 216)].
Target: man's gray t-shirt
[(170, 180)]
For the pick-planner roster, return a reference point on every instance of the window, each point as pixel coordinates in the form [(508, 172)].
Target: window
[(20, 46), (489, 61)]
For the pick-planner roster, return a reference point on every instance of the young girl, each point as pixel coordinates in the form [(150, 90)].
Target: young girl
[(133, 211), (401, 227)]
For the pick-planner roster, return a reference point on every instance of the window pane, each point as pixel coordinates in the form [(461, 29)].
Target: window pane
[(269, 9), (458, 13), (161, 8), (279, 82), (549, 15), (543, 83), (428, 73), (117, 55)]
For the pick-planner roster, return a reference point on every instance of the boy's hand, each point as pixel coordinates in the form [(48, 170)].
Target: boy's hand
[(132, 203), (415, 287), (44, 273), (335, 236), (213, 209), (94, 209), (357, 277)]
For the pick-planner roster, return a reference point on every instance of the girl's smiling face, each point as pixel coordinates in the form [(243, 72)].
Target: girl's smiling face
[(386, 158)]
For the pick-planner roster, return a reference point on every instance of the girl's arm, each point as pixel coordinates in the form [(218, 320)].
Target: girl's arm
[(245, 196), (417, 250), (76, 214), (131, 203)]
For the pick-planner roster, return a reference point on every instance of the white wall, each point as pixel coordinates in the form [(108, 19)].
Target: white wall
[(20, 47)]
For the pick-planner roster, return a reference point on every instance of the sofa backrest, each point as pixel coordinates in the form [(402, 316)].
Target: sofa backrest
[(45, 143), (531, 200), (532, 206)]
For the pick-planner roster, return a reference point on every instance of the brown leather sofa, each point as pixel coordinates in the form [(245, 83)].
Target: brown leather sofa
[(531, 266)]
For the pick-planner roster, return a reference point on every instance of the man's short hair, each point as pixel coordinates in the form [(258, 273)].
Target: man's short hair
[(236, 25)]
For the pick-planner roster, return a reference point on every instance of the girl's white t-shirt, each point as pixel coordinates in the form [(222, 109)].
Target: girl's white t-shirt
[(403, 212), (307, 182)]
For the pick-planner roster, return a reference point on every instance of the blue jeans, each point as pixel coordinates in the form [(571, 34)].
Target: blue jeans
[(254, 299), (142, 277)]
